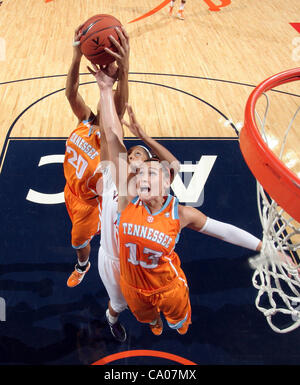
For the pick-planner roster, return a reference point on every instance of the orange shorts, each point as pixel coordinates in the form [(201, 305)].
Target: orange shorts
[(174, 303), (85, 218)]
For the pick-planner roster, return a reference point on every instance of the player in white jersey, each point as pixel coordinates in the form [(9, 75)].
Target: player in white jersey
[(108, 256)]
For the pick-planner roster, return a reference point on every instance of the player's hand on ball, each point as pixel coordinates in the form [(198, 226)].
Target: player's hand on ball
[(76, 40), (123, 49)]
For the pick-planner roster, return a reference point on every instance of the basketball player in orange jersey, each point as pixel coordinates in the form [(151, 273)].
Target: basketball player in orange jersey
[(82, 157), (151, 278), (108, 256), (180, 11)]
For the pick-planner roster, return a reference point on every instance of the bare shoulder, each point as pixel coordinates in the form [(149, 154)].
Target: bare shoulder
[(186, 210), (191, 217), (184, 213)]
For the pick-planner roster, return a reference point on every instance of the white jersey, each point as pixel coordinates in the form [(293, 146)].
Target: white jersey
[(109, 234)]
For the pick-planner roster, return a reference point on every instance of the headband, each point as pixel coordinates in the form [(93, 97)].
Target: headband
[(147, 151)]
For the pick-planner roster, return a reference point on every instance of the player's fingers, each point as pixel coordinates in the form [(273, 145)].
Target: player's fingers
[(125, 123), (116, 44), (77, 30), (121, 36), (78, 34), (96, 68), (131, 114), (112, 53), (125, 33), (104, 69), (132, 119), (129, 110), (91, 71)]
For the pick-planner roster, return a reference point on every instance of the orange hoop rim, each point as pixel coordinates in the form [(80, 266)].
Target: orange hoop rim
[(277, 179)]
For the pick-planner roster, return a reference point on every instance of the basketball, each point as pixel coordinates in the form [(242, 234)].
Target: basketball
[(95, 37)]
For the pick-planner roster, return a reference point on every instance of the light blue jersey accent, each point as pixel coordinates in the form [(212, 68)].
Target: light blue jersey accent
[(88, 124), (134, 200), (88, 121), (176, 216), (81, 246), (179, 324), (118, 218), (163, 207)]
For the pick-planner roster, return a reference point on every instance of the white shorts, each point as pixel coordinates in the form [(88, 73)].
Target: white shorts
[(109, 270)]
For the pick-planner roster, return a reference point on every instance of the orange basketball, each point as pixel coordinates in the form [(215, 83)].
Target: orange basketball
[(95, 38)]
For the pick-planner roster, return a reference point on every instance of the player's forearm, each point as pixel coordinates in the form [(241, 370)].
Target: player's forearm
[(72, 83), (231, 234), (111, 115), (163, 153), (116, 149), (122, 93), (110, 120)]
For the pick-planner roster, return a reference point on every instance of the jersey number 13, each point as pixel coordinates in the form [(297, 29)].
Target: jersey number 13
[(151, 254)]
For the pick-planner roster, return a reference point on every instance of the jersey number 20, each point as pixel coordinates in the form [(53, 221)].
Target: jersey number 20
[(77, 162)]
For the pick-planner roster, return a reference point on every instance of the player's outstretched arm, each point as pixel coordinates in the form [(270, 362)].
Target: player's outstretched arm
[(106, 76), (122, 60), (111, 71), (163, 154), (80, 109), (194, 219)]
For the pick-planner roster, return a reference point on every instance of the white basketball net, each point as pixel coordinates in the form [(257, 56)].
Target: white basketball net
[(277, 269)]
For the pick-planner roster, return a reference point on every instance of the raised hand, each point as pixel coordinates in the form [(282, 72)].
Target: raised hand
[(133, 125), (105, 75), (123, 49), (76, 41)]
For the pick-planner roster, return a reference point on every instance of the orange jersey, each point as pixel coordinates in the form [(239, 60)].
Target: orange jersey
[(82, 157), (147, 257)]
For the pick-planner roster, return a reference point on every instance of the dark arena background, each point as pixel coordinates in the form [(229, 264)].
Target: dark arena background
[(49, 323)]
